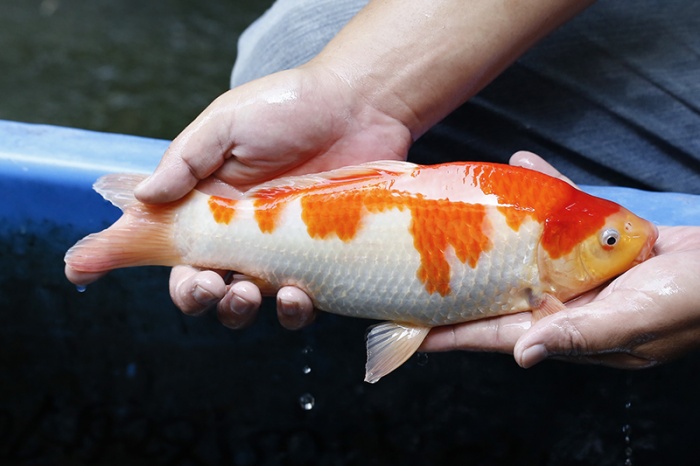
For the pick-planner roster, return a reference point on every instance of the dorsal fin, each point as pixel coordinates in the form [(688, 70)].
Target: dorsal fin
[(345, 174)]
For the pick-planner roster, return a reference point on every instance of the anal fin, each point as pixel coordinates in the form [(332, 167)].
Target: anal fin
[(389, 345)]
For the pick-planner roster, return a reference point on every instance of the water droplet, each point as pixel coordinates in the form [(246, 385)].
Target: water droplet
[(627, 426), (306, 370), (81, 288), (627, 430), (307, 350), (307, 402)]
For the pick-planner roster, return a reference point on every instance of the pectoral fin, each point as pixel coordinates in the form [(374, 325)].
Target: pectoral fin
[(389, 345), (547, 306)]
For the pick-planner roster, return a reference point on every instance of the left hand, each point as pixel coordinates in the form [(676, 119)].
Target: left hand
[(646, 316)]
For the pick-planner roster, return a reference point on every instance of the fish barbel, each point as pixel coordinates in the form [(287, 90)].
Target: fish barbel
[(415, 246)]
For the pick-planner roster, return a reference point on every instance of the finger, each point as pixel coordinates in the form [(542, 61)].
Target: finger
[(498, 334), (194, 291), (240, 305), (294, 308), (193, 155), (533, 161)]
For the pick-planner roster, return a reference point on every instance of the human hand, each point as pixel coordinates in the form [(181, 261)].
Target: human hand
[(646, 316), (294, 122)]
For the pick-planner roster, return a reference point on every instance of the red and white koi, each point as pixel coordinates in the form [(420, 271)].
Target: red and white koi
[(417, 246)]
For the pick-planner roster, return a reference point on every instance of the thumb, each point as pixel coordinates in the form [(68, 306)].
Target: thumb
[(600, 332), (196, 153), (171, 180)]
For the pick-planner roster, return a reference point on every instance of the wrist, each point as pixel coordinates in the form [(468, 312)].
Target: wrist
[(416, 61), (356, 112)]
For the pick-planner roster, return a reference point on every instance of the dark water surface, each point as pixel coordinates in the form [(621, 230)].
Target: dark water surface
[(116, 375)]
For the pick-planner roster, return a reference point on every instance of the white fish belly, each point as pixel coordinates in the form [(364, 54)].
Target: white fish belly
[(375, 274)]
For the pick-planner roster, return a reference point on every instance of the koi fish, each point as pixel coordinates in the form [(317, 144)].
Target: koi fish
[(415, 246)]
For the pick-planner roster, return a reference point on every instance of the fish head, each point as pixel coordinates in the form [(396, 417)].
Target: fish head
[(619, 241)]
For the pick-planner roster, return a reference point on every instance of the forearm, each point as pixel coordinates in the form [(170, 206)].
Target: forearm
[(418, 60)]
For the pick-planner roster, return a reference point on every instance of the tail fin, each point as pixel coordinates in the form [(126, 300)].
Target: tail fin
[(142, 236)]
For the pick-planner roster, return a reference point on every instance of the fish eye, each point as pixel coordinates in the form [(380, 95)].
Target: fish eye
[(609, 237)]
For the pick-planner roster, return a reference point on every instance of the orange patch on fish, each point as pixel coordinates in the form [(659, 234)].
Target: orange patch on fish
[(519, 198), (222, 209), (338, 213), (581, 217), (568, 215), (267, 213), (435, 226), (438, 224)]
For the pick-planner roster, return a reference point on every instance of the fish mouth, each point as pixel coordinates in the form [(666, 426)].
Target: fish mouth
[(647, 251)]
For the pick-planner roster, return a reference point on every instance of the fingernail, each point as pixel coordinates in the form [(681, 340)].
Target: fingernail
[(155, 187), (241, 307), (291, 310), (288, 308), (533, 355), (142, 187), (203, 297), (236, 312)]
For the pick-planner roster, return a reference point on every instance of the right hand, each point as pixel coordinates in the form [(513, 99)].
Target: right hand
[(293, 122)]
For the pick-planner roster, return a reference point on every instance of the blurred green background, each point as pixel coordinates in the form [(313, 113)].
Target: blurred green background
[(126, 66)]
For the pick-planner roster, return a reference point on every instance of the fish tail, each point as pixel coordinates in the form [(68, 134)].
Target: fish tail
[(142, 236)]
